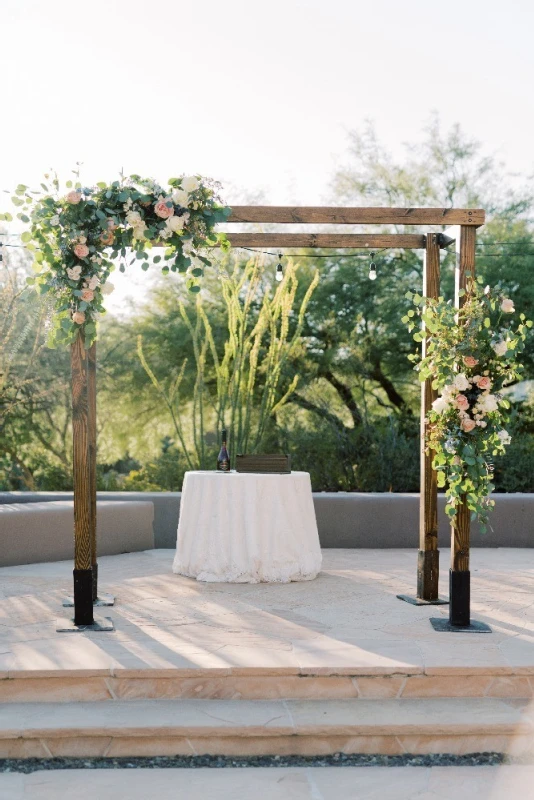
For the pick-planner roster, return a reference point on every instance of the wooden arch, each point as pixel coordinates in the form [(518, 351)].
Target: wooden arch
[(464, 223)]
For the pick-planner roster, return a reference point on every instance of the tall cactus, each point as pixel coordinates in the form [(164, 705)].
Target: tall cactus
[(248, 366)]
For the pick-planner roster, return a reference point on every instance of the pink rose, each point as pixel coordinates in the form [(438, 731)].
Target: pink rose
[(107, 237), (470, 361), (78, 317), (87, 295), (161, 209), (484, 383), (81, 250), (467, 424), (74, 197), (462, 402)]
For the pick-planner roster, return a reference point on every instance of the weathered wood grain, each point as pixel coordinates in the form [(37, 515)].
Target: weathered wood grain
[(91, 429), (460, 532), (332, 240), (341, 215), (80, 456)]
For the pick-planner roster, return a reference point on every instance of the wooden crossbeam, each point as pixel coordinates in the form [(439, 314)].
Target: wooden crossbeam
[(340, 215), (333, 240)]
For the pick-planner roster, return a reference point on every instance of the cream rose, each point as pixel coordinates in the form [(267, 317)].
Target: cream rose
[(481, 423), (500, 348), (107, 288), (470, 361), (54, 220), (484, 384), (467, 424), (461, 383), (92, 283), (134, 218), (78, 317), (81, 250), (190, 183), (139, 230), (487, 403), (440, 405), (74, 273), (507, 305), (162, 210), (88, 295), (74, 197), (180, 197), (176, 224)]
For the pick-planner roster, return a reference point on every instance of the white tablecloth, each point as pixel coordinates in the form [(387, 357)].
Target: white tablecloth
[(247, 528)]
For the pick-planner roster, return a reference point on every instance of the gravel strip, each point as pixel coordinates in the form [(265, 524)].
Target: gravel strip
[(220, 762)]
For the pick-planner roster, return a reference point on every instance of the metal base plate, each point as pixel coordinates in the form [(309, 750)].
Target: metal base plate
[(442, 624), (418, 601), (103, 599), (66, 625)]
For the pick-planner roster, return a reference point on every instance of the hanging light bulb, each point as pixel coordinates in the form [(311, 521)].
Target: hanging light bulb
[(372, 269), (279, 269)]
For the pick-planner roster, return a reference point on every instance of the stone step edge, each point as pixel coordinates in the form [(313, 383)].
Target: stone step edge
[(498, 718), (75, 688)]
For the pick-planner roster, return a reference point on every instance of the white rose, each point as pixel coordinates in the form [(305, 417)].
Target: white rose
[(504, 436), (461, 383), (93, 283), (500, 348), (74, 273), (139, 230), (176, 224), (440, 405), (54, 220), (481, 423), (107, 288), (180, 197), (190, 183), (487, 403), (134, 218), (507, 305)]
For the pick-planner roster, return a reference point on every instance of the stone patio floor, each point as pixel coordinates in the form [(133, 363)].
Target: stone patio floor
[(348, 620), (330, 783)]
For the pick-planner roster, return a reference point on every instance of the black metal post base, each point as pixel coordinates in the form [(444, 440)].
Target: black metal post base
[(98, 624), (459, 608), (83, 596), (418, 601), (460, 598), (443, 625)]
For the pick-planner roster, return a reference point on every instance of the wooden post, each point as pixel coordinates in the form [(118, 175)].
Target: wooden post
[(91, 404), (459, 576), (428, 558), (83, 573)]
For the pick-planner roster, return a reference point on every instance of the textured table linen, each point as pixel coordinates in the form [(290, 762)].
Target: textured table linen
[(247, 528)]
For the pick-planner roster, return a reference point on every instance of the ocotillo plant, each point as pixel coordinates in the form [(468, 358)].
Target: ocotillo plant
[(248, 366)]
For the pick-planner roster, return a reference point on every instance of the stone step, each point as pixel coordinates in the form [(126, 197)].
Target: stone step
[(55, 686), (272, 727)]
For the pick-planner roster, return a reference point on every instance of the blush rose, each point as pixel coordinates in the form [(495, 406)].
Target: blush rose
[(88, 295), (74, 197), (470, 361), (78, 317), (81, 251), (462, 402), (467, 424), (162, 210), (484, 383)]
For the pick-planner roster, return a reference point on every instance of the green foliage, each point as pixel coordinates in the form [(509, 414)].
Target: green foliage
[(471, 354), (76, 238)]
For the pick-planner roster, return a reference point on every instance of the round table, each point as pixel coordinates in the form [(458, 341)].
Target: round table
[(247, 528)]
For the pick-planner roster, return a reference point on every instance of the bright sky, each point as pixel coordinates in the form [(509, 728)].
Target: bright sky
[(259, 95)]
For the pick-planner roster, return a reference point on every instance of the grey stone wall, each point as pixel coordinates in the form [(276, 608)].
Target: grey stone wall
[(346, 519)]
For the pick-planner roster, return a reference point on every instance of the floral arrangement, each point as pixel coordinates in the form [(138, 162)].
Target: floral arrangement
[(471, 354), (77, 237)]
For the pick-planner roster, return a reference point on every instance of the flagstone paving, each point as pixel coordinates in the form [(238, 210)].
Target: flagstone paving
[(330, 783), (346, 623)]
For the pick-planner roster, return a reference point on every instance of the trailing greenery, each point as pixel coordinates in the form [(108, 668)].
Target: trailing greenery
[(471, 355), (75, 239)]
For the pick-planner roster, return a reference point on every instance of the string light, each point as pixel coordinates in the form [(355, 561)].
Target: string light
[(279, 269), (372, 268)]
